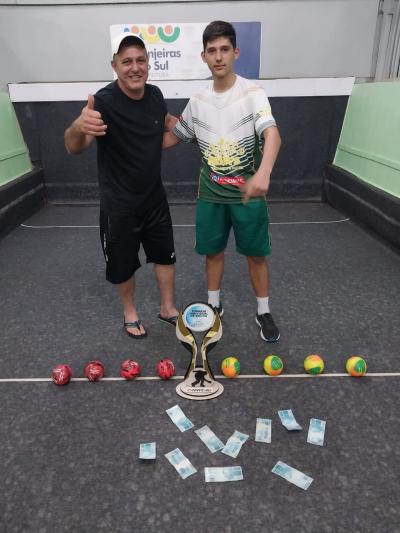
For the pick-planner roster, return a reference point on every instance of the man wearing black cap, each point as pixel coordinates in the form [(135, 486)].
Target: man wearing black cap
[(128, 118)]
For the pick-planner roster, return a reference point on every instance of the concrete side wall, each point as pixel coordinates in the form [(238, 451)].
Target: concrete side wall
[(305, 38)]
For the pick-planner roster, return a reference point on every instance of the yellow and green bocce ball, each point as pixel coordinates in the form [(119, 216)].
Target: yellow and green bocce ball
[(230, 367), (356, 366), (273, 365), (314, 364)]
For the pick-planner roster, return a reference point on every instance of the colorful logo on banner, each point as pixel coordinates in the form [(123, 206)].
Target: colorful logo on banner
[(153, 34)]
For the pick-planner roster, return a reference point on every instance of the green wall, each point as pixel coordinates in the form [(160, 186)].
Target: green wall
[(369, 144), (14, 157)]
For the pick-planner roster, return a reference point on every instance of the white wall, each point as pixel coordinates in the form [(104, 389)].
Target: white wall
[(300, 38)]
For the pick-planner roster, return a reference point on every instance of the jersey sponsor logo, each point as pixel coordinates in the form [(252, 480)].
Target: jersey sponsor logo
[(227, 180)]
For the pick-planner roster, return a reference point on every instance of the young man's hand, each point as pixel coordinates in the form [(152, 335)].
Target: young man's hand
[(89, 121), (256, 186)]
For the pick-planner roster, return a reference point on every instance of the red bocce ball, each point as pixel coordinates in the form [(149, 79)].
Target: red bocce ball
[(130, 369), (94, 370), (165, 369), (61, 374)]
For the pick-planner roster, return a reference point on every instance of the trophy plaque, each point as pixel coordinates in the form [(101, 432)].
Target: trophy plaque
[(196, 319)]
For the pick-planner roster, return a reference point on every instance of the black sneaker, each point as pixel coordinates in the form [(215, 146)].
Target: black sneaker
[(219, 309), (269, 332)]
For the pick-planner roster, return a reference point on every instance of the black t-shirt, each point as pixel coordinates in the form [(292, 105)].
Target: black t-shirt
[(129, 154)]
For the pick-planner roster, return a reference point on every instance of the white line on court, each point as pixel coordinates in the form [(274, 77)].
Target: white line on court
[(53, 227), (244, 376), (310, 222), (193, 225)]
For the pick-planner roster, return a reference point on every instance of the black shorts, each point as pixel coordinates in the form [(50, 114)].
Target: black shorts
[(121, 238)]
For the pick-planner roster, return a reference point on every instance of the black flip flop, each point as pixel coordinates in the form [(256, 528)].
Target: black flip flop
[(137, 325), (171, 320)]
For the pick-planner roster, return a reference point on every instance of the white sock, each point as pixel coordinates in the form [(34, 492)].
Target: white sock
[(262, 305), (213, 298)]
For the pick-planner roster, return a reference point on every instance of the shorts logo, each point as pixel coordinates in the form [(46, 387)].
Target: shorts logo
[(172, 255), (227, 180)]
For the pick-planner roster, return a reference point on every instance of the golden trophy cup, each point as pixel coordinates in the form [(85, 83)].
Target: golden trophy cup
[(199, 382)]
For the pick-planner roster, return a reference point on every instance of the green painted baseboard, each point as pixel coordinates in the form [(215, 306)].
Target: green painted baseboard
[(14, 156), (369, 144)]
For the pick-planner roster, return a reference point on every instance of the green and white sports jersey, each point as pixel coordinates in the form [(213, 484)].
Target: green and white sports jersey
[(228, 127)]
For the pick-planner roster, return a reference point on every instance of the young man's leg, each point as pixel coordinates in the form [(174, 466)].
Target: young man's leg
[(250, 224), (215, 273), (213, 225), (259, 275)]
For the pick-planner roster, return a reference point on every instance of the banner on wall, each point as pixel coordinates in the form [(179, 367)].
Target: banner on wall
[(174, 48)]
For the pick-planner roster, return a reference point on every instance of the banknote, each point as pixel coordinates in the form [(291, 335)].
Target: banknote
[(181, 463), (292, 475), (147, 450), (179, 418), (263, 430), (234, 444), (288, 420), (210, 439), (316, 432), (226, 473)]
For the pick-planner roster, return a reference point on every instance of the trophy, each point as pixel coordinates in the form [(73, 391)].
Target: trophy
[(199, 382)]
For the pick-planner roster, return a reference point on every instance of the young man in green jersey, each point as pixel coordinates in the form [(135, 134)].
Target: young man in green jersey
[(239, 142)]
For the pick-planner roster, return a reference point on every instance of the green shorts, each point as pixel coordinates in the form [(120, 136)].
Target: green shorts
[(249, 222)]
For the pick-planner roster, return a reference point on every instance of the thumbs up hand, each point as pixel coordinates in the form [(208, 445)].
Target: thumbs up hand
[(90, 122), (90, 102)]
